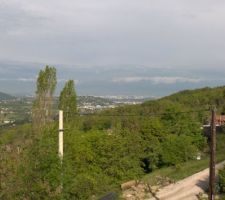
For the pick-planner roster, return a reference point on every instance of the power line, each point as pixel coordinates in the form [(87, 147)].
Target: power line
[(137, 115)]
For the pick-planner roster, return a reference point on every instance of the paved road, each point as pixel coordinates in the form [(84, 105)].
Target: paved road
[(188, 188)]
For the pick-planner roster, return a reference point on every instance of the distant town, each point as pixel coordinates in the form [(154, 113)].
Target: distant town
[(18, 110)]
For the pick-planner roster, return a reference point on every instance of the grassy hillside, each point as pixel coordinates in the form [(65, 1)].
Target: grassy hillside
[(101, 152)]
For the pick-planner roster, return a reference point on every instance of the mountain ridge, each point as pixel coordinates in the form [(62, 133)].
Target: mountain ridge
[(185, 100)]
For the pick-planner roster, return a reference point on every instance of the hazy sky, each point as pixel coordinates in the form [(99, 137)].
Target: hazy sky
[(155, 33), (144, 47)]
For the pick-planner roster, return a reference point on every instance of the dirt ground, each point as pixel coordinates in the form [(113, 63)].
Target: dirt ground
[(186, 189)]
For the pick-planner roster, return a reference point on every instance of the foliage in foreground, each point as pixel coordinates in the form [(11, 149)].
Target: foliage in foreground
[(222, 180), (221, 147), (99, 158), (100, 152)]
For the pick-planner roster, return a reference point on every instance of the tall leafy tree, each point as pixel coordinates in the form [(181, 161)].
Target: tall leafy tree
[(42, 108), (68, 100)]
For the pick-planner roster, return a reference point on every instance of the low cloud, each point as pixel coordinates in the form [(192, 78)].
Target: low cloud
[(19, 79), (157, 80), (63, 80), (60, 80), (26, 79)]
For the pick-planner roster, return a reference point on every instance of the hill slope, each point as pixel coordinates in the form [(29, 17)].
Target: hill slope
[(200, 97), (4, 96), (182, 101)]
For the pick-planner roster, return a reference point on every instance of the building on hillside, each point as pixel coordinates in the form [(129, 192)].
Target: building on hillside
[(220, 120)]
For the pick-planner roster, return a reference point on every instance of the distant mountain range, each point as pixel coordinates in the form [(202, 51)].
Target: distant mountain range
[(18, 78)]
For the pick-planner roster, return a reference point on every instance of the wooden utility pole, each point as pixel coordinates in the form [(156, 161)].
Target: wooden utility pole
[(61, 135), (212, 173)]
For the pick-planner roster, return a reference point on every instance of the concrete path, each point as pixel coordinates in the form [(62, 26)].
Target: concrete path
[(188, 188)]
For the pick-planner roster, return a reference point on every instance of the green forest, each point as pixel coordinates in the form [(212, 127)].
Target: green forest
[(106, 149)]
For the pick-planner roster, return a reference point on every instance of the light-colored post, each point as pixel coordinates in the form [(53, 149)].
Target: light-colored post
[(61, 134)]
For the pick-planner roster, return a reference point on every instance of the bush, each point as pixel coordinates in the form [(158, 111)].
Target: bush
[(178, 149), (222, 180)]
